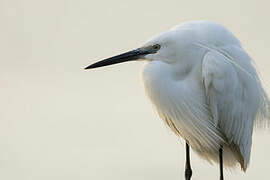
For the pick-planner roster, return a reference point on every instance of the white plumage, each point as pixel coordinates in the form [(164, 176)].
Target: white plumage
[(205, 87)]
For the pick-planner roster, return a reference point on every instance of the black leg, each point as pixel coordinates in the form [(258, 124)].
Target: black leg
[(221, 163), (188, 171)]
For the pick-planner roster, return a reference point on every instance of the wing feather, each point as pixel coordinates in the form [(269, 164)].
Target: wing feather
[(235, 96)]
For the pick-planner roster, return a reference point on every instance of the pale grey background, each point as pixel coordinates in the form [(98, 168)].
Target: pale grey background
[(60, 122)]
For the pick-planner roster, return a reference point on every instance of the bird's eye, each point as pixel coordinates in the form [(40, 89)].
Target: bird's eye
[(156, 47)]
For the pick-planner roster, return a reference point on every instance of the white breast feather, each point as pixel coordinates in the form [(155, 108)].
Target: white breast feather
[(220, 109)]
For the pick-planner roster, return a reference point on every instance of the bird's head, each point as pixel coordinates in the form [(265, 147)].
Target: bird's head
[(171, 46), (168, 47)]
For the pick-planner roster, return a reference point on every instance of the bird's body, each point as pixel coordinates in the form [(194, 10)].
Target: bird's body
[(205, 87), (213, 97)]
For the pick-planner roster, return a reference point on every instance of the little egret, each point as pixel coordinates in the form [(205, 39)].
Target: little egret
[(205, 87)]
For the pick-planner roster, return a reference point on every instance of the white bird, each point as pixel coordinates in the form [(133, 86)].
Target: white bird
[(205, 87)]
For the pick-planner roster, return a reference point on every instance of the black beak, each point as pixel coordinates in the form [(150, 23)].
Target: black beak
[(128, 56)]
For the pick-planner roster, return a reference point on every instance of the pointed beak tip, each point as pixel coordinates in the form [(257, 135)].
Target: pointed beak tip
[(88, 67)]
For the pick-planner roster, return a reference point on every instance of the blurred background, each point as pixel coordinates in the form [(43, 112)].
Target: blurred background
[(60, 122)]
